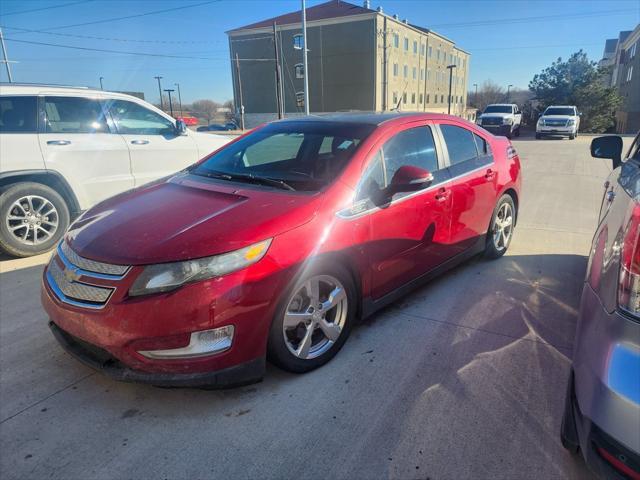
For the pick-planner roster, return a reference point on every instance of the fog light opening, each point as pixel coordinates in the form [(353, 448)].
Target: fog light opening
[(202, 343)]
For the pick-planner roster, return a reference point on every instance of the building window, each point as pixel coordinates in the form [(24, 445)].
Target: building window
[(422, 74), (415, 73), (406, 44), (633, 51), (415, 47), (404, 98), (430, 52), (421, 49), (629, 73), (396, 40), (395, 98), (428, 98), (298, 41), (438, 54), (421, 99), (463, 62), (395, 69), (299, 70), (413, 98), (441, 98), (406, 71)]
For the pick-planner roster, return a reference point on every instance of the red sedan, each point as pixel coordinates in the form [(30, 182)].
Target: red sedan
[(274, 245)]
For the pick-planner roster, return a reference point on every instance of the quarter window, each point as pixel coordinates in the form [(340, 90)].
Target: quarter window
[(18, 114), (74, 115), (482, 145), (134, 119)]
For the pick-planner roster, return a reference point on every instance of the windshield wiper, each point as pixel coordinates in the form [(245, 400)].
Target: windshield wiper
[(248, 177)]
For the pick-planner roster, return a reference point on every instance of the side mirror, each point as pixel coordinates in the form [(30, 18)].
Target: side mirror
[(181, 127), (409, 179), (608, 147)]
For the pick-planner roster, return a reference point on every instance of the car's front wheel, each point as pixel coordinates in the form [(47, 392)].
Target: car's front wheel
[(314, 320), (33, 218), (501, 229)]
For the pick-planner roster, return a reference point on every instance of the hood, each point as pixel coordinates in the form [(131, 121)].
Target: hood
[(209, 142), (496, 115), (557, 117), (186, 217)]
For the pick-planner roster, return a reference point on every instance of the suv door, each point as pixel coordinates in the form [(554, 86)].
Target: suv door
[(155, 147), (409, 231), (473, 183), (19, 149), (77, 141)]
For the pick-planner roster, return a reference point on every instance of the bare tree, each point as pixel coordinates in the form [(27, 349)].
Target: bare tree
[(206, 109), (488, 93)]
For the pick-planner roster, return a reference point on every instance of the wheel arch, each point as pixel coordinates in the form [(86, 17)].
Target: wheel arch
[(51, 179)]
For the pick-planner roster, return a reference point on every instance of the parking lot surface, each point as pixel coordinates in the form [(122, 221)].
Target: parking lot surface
[(464, 378)]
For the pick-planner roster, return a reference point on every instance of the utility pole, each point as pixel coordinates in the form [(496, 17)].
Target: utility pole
[(5, 59), (278, 78), (304, 58), (169, 90), (508, 92), (160, 92), (475, 98), (101, 86), (179, 97), (450, 67), (240, 92)]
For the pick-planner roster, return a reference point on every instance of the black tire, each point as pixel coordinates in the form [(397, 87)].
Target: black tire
[(572, 137), (493, 251), (517, 132), (9, 243), (538, 136), (278, 352), (568, 430)]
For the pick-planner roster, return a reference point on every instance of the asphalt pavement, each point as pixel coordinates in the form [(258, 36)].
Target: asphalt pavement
[(464, 378)]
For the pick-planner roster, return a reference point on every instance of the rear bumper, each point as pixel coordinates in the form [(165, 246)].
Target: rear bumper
[(103, 361)]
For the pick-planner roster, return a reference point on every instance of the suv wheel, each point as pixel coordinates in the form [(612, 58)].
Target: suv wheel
[(314, 321), (33, 218), (501, 228)]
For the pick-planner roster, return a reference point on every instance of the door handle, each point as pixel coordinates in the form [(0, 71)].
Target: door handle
[(443, 194), (490, 175), (59, 142), (139, 142)]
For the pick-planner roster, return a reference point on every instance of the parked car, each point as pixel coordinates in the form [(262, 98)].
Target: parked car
[(65, 149), (602, 409), (189, 121), (217, 127), (275, 244), (559, 120), (501, 119)]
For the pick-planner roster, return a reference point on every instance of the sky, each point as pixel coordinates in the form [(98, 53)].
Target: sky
[(509, 41)]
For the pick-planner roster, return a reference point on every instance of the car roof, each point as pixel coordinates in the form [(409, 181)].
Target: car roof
[(44, 89), (370, 118), (501, 105), (561, 106)]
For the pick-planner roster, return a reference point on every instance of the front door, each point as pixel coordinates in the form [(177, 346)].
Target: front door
[(156, 149), (409, 231)]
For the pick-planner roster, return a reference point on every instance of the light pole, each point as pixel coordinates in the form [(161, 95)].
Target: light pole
[(304, 58), (101, 87), (508, 92), (475, 98), (169, 90), (160, 92), (179, 97), (450, 67)]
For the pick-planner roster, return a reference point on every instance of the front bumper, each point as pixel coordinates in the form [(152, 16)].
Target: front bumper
[(501, 130), (560, 131)]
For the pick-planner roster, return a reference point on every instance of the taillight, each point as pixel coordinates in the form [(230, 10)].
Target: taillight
[(629, 282), (511, 152)]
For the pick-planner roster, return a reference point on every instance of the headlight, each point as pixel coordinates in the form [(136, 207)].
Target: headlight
[(541, 121), (572, 121), (507, 120), (169, 276)]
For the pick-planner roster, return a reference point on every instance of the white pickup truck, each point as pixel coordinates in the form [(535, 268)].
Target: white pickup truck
[(559, 120), (501, 119)]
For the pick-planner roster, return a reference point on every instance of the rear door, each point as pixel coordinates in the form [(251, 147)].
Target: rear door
[(19, 148), (473, 183), (78, 142), (156, 149)]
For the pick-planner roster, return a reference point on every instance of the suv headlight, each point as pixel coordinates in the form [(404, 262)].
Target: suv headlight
[(165, 277), (541, 121), (507, 120), (572, 121)]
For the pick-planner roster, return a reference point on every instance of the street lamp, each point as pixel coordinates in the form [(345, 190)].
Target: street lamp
[(179, 97), (450, 67), (160, 92), (101, 87), (169, 90), (476, 95), (508, 91)]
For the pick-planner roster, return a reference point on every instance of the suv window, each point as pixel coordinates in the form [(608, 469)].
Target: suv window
[(18, 114), (74, 115), (134, 119)]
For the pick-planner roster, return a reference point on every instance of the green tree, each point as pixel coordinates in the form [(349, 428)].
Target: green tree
[(578, 81)]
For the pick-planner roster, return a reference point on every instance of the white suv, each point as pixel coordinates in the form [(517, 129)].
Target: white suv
[(559, 120), (65, 149)]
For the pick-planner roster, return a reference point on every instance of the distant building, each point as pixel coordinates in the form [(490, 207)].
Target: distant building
[(625, 76), (359, 59)]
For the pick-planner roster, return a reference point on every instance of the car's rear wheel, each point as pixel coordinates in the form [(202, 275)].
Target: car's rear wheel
[(33, 218), (314, 320), (501, 227)]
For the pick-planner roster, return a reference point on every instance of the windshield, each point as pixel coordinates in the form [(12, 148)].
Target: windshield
[(299, 155), (499, 109), (559, 111)]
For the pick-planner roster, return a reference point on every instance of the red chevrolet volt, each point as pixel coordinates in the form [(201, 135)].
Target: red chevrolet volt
[(274, 245)]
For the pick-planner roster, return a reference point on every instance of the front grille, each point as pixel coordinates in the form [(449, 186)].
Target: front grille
[(491, 121), (91, 265), (551, 122), (75, 290)]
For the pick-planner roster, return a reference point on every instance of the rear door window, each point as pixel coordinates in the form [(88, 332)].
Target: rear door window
[(467, 151), (18, 114), (74, 115), (134, 119)]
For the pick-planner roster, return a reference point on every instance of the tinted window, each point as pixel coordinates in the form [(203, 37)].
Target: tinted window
[(305, 155), (74, 115), (498, 109), (460, 144), (18, 115), (559, 111), (134, 119), (482, 145), (410, 147)]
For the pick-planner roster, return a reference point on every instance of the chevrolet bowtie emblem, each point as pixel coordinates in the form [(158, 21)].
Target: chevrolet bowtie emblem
[(71, 275)]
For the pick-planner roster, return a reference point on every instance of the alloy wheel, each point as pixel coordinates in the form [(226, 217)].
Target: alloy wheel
[(503, 227), (32, 220), (315, 316)]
